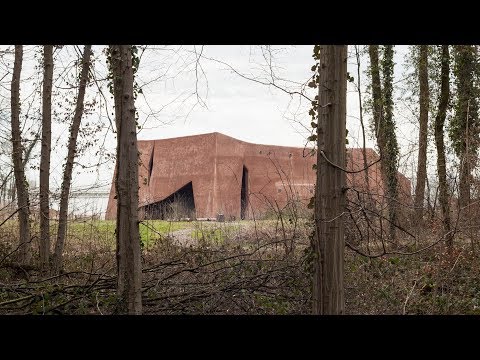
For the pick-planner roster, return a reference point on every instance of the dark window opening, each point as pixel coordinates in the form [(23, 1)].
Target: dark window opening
[(177, 206), (244, 194), (150, 165)]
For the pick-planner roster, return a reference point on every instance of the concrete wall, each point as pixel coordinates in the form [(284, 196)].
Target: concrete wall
[(278, 176)]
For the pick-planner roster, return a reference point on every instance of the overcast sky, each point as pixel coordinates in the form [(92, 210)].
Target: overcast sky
[(242, 108), (233, 105), (191, 90), (250, 111)]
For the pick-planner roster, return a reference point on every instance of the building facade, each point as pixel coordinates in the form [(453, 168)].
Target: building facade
[(211, 175)]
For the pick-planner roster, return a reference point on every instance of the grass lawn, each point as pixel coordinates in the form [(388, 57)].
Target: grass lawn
[(104, 230), (150, 230), (214, 233)]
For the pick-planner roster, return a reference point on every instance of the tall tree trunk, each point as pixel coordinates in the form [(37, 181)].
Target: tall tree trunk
[(376, 95), (9, 186), (368, 197), (126, 182), (13, 190), (422, 136), (391, 150), (377, 110), (462, 67), (24, 252), (360, 102), (464, 180), (45, 155), (439, 124), (72, 149), (385, 127), (465, 125), (328, 292)]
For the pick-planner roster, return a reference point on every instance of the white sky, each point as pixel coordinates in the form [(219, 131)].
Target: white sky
[(226, 103)]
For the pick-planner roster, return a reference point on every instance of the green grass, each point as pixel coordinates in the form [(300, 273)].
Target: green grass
[(104, 230), (152, 230), (149, 229), (100, 229), (211, 236), (215, 235)]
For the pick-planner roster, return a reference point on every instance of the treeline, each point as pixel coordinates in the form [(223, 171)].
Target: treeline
[(444, 81)]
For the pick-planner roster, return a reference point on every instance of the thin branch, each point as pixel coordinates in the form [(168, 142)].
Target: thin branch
[(345, 170)]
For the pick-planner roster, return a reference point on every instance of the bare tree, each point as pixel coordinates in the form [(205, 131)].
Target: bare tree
[(129, 284), (72, 149), (439, 133), (45, 155), (17, 154), (5, 182), (360, 104), (422, 136), (328, 292)]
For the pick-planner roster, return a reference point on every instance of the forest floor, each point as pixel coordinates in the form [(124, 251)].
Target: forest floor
[(243, 267)]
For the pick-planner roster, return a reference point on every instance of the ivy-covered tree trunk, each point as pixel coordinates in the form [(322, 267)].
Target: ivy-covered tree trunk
[(129, 284), (45, 156), (391, 149), (329, 242), (21, 185), (464, 127), (385, 126), (377, 100), (423, 132), (439, 142), (72, 149)]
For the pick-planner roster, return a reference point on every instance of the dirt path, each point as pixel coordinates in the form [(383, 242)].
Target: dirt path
[(183, 237), (230, 231)]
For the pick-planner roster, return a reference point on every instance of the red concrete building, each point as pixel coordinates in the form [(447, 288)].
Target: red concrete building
[(204, 176)]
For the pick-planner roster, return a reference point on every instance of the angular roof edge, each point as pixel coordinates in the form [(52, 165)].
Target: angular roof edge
[(216, 134)]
